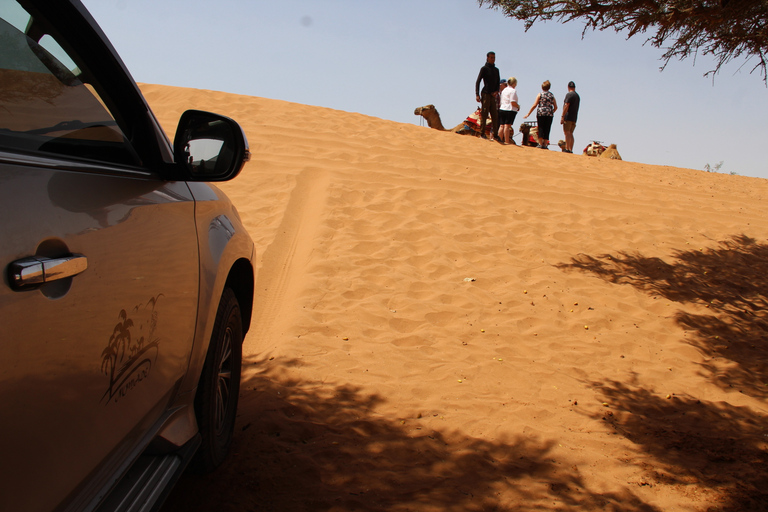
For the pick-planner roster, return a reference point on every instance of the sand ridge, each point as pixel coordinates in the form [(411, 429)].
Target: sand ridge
[(444, 323)]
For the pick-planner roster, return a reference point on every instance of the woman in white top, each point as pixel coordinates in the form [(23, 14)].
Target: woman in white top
[(507, 111)]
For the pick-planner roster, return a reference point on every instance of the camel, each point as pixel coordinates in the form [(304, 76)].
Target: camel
[(470, 126), (611, 152), (530, 132), (597, 149), (594, 149)]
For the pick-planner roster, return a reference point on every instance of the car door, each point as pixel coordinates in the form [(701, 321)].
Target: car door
[(100, 276)]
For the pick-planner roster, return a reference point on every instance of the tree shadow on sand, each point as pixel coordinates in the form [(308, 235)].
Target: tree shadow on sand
[(730, 281), (715, 445), (310, 446), (714, 452)]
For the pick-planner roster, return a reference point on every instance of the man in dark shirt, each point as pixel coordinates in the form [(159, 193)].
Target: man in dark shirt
[(570, 115), (489, 75)]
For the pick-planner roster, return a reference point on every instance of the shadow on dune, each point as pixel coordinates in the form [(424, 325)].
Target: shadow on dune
[(716, 445), (730, 281), (309, 446), (693, 443)]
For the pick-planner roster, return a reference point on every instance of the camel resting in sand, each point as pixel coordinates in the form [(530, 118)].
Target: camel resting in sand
[(597, 149), (530, 131), (470, 126), (611, 152)]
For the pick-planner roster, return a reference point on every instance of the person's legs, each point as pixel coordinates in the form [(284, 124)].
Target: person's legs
[(545, 125), (494, 115), (568, 128), (504, 121), (483, 114), (540, 129), (488, 105)]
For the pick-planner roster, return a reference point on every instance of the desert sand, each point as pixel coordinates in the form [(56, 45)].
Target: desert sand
[(446, 324)]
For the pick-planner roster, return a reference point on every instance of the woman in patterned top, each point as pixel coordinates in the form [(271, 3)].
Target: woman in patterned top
[(547, 106)]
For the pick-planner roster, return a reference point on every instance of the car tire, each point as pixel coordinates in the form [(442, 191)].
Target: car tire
[(219, 386)]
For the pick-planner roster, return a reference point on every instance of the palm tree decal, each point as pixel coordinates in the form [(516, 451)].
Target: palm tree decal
[(127, 359), (118, 342)]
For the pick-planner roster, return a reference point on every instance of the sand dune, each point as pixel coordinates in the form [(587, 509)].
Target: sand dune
[(444, 323)]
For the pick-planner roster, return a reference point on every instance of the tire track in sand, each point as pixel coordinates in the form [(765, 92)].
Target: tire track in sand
[(285, 259)]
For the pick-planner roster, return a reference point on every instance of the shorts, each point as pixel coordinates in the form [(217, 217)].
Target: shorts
[(507, 116), (569, 126)]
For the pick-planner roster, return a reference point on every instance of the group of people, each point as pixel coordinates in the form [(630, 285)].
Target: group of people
[(498, 99)]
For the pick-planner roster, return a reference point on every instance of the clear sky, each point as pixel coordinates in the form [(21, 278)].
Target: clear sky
[(385, 58)]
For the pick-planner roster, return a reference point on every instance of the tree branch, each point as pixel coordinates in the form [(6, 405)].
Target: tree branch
[(724, 29)]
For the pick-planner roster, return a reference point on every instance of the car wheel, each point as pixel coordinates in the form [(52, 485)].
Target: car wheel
[(219, 386)]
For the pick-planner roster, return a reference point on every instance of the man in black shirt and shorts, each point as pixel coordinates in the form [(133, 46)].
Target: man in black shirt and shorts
[(489, 75), (570, 115)]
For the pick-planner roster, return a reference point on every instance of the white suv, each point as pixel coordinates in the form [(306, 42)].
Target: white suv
[(128, 280)]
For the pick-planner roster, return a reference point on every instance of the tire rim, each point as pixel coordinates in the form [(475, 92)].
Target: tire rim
[(224, 381)]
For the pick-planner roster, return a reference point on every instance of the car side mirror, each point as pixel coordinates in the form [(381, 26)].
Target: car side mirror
[(209, 147)]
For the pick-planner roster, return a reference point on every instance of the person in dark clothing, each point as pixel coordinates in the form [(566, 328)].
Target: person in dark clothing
[(545, 106), (570, 116), (489, 75)]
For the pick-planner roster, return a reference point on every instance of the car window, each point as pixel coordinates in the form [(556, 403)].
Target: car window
[(44, 105)]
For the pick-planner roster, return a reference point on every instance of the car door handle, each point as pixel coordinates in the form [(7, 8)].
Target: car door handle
[(36, 270)]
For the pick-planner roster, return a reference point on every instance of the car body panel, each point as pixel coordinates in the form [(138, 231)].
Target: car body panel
[(223, 242), (100, 368), (115, 345)]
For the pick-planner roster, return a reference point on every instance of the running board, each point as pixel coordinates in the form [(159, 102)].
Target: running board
[(148, 482)]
